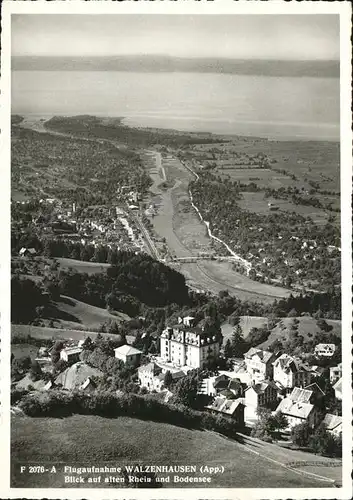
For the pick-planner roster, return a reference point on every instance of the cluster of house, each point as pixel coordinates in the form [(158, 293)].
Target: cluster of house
[(262, 379)]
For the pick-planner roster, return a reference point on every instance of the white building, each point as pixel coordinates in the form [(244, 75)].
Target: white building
[(70, 354), (335, 373), (128, 355), (186, 345), (289, 372), (259, 364), (326, 350)]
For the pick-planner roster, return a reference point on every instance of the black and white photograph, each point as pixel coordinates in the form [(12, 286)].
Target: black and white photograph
[(178, 200)]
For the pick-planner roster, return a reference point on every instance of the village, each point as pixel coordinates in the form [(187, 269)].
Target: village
[(261, 380)]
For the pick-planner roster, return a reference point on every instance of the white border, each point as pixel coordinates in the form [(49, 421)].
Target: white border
[(176, 7)]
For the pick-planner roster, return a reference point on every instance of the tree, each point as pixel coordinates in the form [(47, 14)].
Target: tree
[(35, 372), (186, 390), (168, 379), (55, 354), (300, 434), (238, 343), (323, 442), (228, 349)]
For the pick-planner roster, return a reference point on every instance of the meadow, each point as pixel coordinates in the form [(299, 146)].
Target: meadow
[(83, 440)]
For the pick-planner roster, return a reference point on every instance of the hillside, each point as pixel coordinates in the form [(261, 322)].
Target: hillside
[(125, 441), (75, 314), (307, 327)]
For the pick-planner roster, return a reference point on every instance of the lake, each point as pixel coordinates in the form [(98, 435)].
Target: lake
[(273, 107)]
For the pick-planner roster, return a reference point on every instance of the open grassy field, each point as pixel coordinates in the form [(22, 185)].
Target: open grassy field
[(24, 350), (246, 323), (40, 332), (75, 314), (307, 327), (82, 266), (90, 440), (257, 203)]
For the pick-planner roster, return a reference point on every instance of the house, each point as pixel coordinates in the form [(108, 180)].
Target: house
[(128, 355), (70, 354), (259, 364), (152, 376), (325, 350), (288, 372), (147, 374), (212, 385), (333, 424), (27, 252), (335, 373), (338, 389), (187, 345), (261, 394), (233, 408), (310, 394), (298, 412)]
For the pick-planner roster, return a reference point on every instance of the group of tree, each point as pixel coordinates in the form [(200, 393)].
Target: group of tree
[(318, 440), (268, 426)]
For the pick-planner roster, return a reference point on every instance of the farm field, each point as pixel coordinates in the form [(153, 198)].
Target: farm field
[(261, 177), (73, 440), (257, 203), (310, 160), (82, 266)]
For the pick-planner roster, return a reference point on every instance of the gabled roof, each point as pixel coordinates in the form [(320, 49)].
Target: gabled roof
[(315, 388), (301, 395), (331, 422), (261, 387), (265, 356), (150, 367), (127, 350), (295, 409), (74, 376), (227, 406)]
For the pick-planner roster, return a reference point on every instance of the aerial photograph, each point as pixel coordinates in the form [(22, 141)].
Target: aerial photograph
[(175, 251)]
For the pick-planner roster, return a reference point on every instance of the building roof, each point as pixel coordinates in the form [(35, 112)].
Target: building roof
[(261, 387), (150, 367), (74, 376), (265, 356), (301, 395), (72, 350), (287, 363), (295, 409), (227, 406), (315, 388), (331, 422), (127, 350)]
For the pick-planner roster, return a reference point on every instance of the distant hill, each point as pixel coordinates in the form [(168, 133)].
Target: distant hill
[(163, 64)]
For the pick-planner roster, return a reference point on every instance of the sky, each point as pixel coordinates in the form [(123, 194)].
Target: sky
[(281, 37)]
